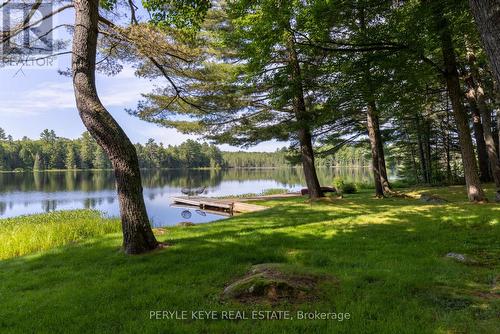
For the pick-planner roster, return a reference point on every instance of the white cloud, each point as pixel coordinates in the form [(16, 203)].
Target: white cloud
[(167, 135), (45, 97), (123, 90), (269, 146)]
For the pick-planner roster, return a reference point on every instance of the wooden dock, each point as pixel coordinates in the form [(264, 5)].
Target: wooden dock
[(225, 205)]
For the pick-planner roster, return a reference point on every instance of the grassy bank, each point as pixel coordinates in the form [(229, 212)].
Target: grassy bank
[(387, 255), (28, 234)]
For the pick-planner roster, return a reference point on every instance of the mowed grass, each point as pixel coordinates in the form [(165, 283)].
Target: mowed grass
[(387, 254)]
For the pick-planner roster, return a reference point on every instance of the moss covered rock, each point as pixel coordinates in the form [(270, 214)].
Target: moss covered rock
[(274, 282)]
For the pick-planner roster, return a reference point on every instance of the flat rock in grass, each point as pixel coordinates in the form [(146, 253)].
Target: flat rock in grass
[(468, 260), (273, 282), (426, 198), (457, 257)]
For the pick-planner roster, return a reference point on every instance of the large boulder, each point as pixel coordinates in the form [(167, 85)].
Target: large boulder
[(273, 282), (432, 199)]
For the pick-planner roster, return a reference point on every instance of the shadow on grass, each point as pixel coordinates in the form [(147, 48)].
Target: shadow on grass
[(388, 256)]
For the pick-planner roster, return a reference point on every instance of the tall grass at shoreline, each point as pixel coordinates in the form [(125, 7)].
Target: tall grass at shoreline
[(28, 234)]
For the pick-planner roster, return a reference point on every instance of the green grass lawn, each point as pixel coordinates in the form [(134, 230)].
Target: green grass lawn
[(388, 256)]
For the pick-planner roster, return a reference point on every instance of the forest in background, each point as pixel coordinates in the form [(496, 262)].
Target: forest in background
[(53, 152)]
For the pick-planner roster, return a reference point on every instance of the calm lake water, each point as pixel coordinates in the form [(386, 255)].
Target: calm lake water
[(36, 192)]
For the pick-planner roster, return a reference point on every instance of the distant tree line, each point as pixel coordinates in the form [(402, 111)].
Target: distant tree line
[(256, 159), (53, 152), (346, 156)]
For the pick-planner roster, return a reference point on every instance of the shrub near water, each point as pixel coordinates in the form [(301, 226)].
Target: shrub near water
[(344, 187), (27, 234)]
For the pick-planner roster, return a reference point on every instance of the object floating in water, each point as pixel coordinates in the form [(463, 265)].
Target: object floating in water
[(201, 213), (193, 192)]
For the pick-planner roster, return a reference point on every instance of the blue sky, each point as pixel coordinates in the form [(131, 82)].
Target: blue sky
[(32, 100)]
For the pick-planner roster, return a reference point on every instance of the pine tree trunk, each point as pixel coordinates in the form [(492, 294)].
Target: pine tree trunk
[(473, 184), (412, 154), (370, 125), (304, 133), (494, 127), (421, 151), (428, 150), (498, 132), (474, 85), (384, 180), (447, 142), (496, 92), (137, 234), (487, 16), (492, 153), (307, 154), (482, 154), (488, 138), (478, 95)]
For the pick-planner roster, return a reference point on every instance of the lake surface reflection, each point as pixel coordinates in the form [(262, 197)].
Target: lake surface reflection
[(36, 192)]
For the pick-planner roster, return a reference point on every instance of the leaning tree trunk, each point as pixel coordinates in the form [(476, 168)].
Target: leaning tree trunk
[(370, 125), (473, 184), (487, 16), (137, 234), (304, 133)]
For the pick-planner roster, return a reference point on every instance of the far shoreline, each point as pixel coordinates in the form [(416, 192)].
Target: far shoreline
[(169, 168)]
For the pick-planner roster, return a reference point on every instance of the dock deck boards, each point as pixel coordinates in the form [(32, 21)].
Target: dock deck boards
[(229, 205)]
